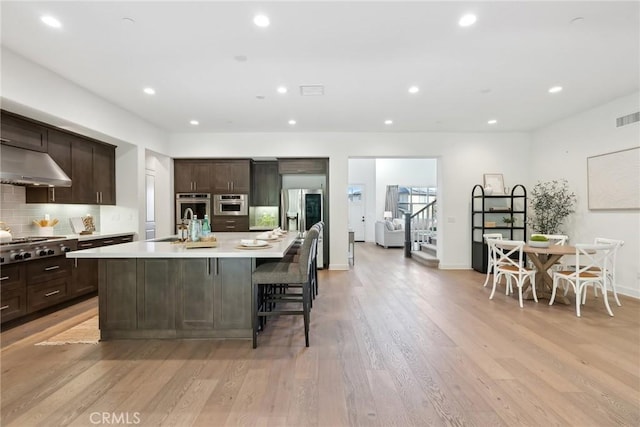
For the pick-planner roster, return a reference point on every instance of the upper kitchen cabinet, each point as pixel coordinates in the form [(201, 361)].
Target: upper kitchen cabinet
[(265, 184), (23, 133), (193, 176), (89, 163), (312, 166), (93, 167), (231, 176)]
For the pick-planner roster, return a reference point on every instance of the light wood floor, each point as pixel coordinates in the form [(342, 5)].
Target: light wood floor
[(392, 343)]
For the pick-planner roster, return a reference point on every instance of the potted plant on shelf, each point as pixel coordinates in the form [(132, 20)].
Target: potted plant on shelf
[(551, 203), (509, 220)]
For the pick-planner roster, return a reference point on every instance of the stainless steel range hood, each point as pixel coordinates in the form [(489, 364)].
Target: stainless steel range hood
[(25, 167)]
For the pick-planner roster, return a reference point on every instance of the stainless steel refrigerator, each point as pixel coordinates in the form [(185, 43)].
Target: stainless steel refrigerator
[(301, 208)]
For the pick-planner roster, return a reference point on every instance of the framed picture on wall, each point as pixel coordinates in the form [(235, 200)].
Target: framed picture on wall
[(495, 181)]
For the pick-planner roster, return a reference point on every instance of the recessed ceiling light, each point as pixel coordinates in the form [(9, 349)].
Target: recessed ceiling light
[(149, 91), (467, 20), (194, 122), (388, 122), (292, 122), (492, 122), (414, 89), (261, 20), (282, 89), (51, 21), (555, 89)]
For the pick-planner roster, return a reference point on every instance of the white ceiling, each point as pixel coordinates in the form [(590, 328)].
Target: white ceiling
[(366, 54)]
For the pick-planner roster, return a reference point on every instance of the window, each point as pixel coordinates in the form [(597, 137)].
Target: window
[(412, 199)]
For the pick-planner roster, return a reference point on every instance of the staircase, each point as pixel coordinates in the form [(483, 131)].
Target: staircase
[(421, 236)]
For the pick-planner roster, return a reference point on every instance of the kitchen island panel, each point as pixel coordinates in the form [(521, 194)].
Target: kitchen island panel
[(156, 294), (232, 294), (117, 300), (194, 302)]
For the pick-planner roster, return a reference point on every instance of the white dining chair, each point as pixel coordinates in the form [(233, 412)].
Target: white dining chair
[(611, 271), (509, 263), (490, 260), (591, 261)]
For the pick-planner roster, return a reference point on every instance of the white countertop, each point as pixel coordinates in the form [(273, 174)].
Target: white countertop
[(227, 248)]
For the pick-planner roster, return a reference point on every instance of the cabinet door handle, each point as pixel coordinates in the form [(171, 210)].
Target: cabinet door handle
[(216, 265), (107, 241), (101, 197), (4, 278), (86, 245), (5, 140), (230, 226), (48, 294), (53, 267), (97, 197), (53, 194), (4, 307)]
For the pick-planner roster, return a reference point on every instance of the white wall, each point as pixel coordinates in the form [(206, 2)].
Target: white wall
[(561, 150), (363, 172)]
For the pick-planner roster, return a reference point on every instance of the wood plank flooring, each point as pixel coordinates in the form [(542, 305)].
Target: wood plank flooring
[(392, 344)]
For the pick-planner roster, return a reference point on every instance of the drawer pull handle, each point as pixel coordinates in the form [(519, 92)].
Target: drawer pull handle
[(108, 241), (4, 307), (4, 278), (52, 293), (53, 267), (85, 245)]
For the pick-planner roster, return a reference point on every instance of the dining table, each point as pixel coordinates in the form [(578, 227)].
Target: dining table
[(543, 259)]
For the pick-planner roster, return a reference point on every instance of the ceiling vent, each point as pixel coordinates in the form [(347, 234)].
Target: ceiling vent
[(628, 119), (312, 90)]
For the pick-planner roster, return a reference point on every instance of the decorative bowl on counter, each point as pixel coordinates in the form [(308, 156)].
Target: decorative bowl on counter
[(538, 244)]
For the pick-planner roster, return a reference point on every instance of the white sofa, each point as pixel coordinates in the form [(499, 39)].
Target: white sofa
[(387, 237)]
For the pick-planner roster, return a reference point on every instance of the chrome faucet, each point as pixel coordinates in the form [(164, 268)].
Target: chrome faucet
[(186, 212)]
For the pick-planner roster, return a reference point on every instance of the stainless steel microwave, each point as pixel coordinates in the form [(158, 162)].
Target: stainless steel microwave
[(198, 203), (230, 204)]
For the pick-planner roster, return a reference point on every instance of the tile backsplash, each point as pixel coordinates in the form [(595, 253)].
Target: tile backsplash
[(19, 216)]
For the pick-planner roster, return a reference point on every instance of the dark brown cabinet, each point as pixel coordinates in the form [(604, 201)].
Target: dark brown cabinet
[(193, 176), (48, 282), (93, 172), (194, 297), (89, 163), (265, 184), (231, 177), (22, 132), (317, 166), (230, 223), (13, 294)]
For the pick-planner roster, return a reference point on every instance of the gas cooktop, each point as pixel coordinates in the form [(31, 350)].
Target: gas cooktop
[(28, 248)]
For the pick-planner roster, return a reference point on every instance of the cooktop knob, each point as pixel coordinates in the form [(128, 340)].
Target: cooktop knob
[(17, 257), (43, 252), (50, 252), (27, 255), (66, 249)]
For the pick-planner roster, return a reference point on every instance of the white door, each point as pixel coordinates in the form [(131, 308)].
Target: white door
[(355, 199)]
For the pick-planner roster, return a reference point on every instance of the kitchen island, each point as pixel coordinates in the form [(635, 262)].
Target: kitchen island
[(161, 289)]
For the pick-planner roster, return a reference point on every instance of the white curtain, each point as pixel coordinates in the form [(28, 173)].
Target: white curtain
[(391, 200)]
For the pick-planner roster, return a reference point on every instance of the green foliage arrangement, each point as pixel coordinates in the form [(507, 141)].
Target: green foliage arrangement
[(538, 238), (551, 203)]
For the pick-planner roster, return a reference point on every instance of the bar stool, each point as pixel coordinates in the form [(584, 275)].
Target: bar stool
[(283, 276)]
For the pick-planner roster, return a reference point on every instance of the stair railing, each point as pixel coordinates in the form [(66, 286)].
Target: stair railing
[(419, 227)]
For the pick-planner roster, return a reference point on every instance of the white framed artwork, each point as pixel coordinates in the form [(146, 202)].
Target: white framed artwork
[(613, 180)]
